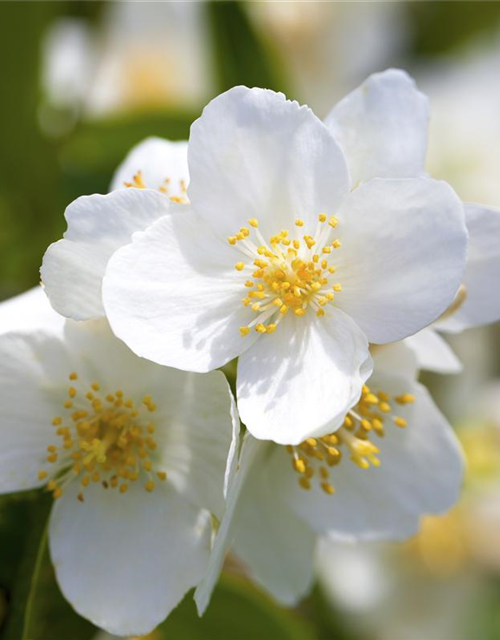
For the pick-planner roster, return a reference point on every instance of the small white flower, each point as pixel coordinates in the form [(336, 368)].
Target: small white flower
[(383, 129), (135, 457), (275, 243), (98, 225), (352, 484)]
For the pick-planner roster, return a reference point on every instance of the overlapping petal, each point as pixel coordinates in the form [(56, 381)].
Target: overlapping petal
[(482, 275), (125, 561), (433, 352), (382, 126), (402, 257), (254, 154), (174, 296), (98, 225), (294, 383)]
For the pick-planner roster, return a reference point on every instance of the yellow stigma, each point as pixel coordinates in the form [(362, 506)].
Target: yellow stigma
[(314, 458), (288, 273), (101, 438)]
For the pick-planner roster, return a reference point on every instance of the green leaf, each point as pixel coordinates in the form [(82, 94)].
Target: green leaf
[(237, 610), (240, 55)]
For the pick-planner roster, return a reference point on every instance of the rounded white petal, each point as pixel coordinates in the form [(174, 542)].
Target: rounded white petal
[(396, 357), (124, 561), (174, 296), (276, 545), (29, 311), (382, 126), (162, 165), (482, 274), (432, 351), (31, 381), (194, 418), (295, 382), (402, 257), (254, 154), (421, 473), (98, 225)]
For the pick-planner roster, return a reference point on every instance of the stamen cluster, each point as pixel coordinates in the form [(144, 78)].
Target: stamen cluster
[(287, 273), (164, 187), (315, 457), (101, 439)]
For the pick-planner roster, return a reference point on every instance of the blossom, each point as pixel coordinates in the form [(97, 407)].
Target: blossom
[(98, 225), (277, 261), (383, 129), (28, 311), (134, 455), (394, 459)]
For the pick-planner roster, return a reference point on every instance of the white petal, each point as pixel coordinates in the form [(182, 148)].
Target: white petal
[(29, 311), (276, 545), (30, 386), (162, 163), (433, 352), (302, 378), (402, 256), (421, 472), (395, 358), (73, 267), (236, 480), (194, 418), (174, 296), (382, 127), (254, 154), (124, 561), (482, 274)]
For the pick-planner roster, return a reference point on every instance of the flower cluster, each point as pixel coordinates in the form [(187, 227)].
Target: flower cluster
[(321, 256)]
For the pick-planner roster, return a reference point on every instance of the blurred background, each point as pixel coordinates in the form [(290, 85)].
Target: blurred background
[(82, 82)]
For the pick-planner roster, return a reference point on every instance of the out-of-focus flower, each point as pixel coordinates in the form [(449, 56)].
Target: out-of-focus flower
[(73, 268), (281, 498), (135, 456), (321, 268), (29, 311)]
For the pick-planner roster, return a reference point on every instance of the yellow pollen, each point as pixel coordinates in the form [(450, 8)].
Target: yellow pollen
[(299, 222), (107, 440), (239, 266), (314, 458)]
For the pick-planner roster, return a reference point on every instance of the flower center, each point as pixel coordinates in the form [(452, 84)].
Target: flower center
[(102, 438), (287, 274), (164, 187), (314, 458)]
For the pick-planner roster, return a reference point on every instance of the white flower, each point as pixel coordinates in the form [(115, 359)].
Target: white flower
[(351, 484), (28, 311), (98, 225), (135, 456), (274, 243), (383, 129)]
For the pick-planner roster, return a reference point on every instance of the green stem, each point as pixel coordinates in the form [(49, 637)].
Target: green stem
[(33, 585)]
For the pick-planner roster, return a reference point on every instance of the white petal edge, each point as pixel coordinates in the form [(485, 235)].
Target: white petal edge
[(174, 297), (29, 311), (432, 351), (73, 268), (124, 561), (396, 236), (296, 382), (255, 154), (382, 126)]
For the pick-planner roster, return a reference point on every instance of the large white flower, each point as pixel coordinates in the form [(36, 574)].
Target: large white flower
[(98, 225), (135, 457), (383, 129), (277, 262), (351, 484)]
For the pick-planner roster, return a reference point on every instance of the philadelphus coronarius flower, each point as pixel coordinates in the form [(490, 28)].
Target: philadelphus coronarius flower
[(276, 260), (394, 459), (134, 455), (152, 175), (382, 127)]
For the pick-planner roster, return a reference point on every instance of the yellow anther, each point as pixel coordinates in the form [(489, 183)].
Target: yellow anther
[(320, 313), (150, 485), (300, 312), (370, 398), (327, 250), (405, 398), (244, 331), (73, 376), (271, 328), (249, 284), (299, 222), (304, 483), (260, 328), (57, 493), (383, 406), (72, 392), (95, 386), (161, 475), (333, 222), (239, 266), (68, 404), (123, 488), (299, 465), (85, 481), (400, 422), (337, 287), (42, 475), (336, 244), (253, 222), (328, 488), (57, 421), (322, 217)]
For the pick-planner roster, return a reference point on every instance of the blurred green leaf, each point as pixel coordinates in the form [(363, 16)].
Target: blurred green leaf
[(240, 55), (237, 611)]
